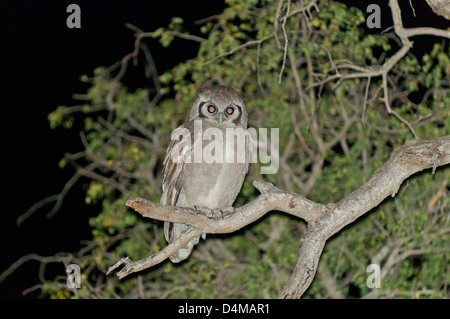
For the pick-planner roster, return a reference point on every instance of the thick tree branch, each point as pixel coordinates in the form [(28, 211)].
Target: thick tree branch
[(271, 198), (441, 7), (323, 220), (206, 222), (415, 156)]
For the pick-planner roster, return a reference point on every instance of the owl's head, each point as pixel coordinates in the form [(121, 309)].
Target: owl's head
[(221, 106)]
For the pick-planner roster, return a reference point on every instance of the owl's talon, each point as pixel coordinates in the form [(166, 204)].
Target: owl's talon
[(216, 213), (228, 211)]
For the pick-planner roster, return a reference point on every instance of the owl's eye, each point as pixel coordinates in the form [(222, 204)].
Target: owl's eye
[(211, 109), (229, 110)]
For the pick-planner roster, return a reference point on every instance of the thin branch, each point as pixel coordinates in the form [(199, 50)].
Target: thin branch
[(303, 9), (175, 34), (57, 198), (283, 28), (26, 258), (275, 23), (140, 35), (388, 106), (363, 120), (244, 45)]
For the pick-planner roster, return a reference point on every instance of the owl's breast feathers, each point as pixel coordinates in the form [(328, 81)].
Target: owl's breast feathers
[(201, 184)]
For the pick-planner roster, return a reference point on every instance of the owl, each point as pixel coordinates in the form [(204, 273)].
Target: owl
[(204, 183)]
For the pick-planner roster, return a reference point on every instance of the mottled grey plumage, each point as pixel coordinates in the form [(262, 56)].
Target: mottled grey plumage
[(205, 184)]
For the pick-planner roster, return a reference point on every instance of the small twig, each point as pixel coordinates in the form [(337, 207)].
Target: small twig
[(390, 110), (173, 33), (208, 19), (411, 5), (258, 69), (283, 28)]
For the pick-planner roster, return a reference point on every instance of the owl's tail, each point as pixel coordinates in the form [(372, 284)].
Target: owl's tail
[(173, 231)]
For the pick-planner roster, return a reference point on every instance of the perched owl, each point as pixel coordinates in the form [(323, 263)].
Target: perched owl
[(206, 183)]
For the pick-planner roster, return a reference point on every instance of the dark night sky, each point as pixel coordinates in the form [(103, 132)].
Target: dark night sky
[(42, 61)]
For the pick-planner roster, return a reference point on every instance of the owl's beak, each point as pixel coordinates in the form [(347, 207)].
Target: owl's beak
[(220, 118)]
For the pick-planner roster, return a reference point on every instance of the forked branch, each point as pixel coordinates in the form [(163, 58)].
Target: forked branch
[(324, 220), (204, 222)]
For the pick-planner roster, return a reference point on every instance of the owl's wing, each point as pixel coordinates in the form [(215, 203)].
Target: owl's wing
[(178, 154)]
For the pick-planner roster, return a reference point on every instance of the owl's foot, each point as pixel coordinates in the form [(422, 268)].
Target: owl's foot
[(215, 212), (227, 211), (221, 212), (196, 209)]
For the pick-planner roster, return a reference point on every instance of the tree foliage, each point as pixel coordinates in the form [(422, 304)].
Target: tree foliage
[(334, 133)]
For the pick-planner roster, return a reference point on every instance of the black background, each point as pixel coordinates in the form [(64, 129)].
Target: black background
[(41, 62)]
